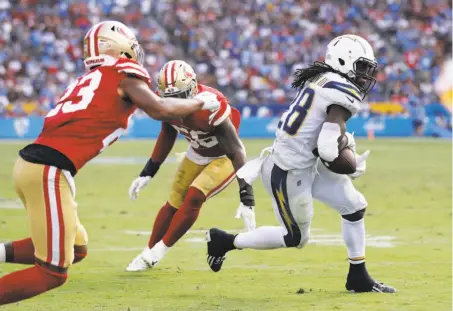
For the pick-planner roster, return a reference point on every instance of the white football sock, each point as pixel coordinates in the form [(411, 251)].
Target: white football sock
[(2, 252), (261, 238), (354, 238), (161, 247), (159, 250)]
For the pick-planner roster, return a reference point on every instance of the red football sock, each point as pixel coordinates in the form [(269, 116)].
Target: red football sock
[(80, 252), (161, 224), (185, 217), (23, 252), (28, 283)]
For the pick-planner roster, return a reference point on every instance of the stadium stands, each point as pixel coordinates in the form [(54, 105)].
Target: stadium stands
[(249, 49)]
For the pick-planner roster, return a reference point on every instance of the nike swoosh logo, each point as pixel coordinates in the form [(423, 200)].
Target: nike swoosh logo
[(350, 99)]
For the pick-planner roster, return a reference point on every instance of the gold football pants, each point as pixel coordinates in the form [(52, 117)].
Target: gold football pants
[(52, 212), (209, 179)]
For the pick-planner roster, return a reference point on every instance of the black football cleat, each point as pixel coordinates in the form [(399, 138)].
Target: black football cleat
[(369, 286), (359, 281), (219, 243)]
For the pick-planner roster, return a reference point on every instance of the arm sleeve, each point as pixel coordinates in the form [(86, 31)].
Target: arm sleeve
[(328, 141)]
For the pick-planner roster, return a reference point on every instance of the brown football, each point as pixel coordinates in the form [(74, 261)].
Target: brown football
[(346, 161)]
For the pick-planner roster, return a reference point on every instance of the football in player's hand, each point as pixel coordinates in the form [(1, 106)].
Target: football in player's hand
[(345, 163)]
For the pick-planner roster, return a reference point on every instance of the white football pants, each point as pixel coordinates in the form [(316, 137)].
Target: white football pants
[(293, 192)]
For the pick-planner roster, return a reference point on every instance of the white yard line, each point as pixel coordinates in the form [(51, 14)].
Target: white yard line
[(10, 204)]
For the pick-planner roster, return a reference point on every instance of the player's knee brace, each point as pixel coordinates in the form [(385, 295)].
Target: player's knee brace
[(355, 216), (80, 252)]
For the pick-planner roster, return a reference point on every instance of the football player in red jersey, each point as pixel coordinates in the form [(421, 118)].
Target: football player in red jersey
[(215, 152), (92, 113)]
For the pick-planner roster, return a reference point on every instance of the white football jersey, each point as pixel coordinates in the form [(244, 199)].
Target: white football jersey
[(299, 126)]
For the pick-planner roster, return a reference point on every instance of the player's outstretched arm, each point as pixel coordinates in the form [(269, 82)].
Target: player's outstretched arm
[(333, 127), (164, 144), (138, 92), (234, 149)]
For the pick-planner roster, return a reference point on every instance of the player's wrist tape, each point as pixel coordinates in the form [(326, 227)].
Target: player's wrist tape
[(246, 195), (150, 168)]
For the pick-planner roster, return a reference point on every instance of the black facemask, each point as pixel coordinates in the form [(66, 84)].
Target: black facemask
[(365, 73)]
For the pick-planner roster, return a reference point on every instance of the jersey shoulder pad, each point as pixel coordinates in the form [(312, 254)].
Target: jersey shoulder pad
[(131, 67), (225, 109), (337, 90)]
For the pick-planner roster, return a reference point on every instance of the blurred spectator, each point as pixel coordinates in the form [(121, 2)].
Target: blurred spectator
[(415, 108), (438, 112)]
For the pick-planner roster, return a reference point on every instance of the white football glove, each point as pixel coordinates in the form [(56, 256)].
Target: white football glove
[(138, 184), (210, 101), (351, 141), (248, 216), (361, 165)]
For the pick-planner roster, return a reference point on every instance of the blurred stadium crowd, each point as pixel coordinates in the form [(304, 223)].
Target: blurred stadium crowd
[(248, 49)]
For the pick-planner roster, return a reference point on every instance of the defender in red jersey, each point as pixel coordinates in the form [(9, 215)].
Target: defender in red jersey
[(214, 154), (92, 113)]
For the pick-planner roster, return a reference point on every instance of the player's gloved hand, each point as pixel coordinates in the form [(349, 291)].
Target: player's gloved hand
[(361, 164), (140, 182), (247, 213), (137, 185), (246, 209), (210, 101), (351, 141)]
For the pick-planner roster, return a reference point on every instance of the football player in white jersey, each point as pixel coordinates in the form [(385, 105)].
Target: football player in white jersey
[(329, 94)]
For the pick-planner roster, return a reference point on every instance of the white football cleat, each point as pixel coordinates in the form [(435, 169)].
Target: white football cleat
[(138, 263), (148, 258)]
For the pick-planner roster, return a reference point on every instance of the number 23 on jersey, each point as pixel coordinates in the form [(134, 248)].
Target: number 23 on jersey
[(298, 111), (82, 88)]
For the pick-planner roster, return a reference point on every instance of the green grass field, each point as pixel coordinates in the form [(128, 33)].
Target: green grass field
[(408, 187)]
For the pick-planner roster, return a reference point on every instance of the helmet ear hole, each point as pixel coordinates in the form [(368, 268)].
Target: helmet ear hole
[(341, 61)]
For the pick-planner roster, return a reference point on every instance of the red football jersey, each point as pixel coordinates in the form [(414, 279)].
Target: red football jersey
[(199, 130), (91, 115)]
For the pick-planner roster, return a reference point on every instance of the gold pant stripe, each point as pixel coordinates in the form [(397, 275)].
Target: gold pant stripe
[(210, 179)]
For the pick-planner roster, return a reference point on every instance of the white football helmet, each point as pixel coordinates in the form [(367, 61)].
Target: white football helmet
[(113, 39), (354, 57), (177, 79)]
